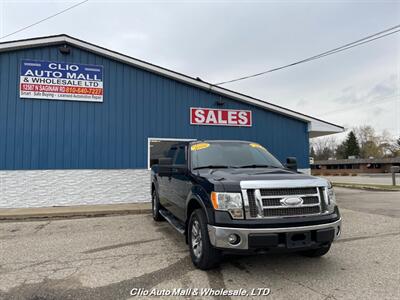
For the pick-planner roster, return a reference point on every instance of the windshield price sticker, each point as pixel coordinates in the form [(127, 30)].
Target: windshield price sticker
[(200, 146), (254, 145)]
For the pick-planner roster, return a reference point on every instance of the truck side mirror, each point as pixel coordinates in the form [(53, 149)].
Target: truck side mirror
[(164, 166), (291, 163)]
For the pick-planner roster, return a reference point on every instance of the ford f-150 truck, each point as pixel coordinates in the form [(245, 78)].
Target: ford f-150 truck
[(234, 196)]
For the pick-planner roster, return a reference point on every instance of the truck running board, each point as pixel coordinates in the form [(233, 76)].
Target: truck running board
[(173, 221)]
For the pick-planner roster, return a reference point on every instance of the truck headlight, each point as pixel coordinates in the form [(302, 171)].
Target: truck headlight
[(331, 196), (230, 202), (331, 199)]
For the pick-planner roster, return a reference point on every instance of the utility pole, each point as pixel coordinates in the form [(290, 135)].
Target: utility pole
[(394, 169)]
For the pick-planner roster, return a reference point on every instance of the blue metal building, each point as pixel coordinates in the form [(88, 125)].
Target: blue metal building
[(98, 144)]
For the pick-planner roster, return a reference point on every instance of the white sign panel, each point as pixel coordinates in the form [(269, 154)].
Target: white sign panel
[(61, 81)]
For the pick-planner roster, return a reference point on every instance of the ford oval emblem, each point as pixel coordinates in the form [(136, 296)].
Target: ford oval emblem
[(292, 201)]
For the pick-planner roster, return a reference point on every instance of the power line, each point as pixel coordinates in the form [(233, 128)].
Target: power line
[(347, 46), (45, 19)]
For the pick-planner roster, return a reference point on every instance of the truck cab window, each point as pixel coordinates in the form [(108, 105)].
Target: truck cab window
[(170, 153), (180, 158)]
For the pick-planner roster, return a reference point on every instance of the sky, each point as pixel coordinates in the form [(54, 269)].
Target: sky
[(222, 40)]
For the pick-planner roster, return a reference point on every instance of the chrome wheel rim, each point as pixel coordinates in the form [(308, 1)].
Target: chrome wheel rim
[(197, 244)]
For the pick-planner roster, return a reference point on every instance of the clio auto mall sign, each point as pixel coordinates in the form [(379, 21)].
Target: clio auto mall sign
[(52, 80), (220, 117)]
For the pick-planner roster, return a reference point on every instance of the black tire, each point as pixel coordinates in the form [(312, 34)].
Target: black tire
[(208, 257), (155, 207), (318, 252)]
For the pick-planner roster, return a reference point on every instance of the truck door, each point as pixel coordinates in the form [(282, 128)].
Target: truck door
[(164, 181), (180, 181)]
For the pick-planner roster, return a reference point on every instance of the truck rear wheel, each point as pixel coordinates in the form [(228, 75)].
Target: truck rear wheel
[(204, 255), (155, 207), (317, 252)]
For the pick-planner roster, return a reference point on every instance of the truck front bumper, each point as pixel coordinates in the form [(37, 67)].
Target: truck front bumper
[(292, 238)]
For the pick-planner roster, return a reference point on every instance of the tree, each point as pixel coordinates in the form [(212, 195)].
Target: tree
[(391, 148), (326, 153), (372, 150), (341, 151), (371, 144), (365, 133), (324, 147), (398, 148), (312, 152), (362, 141), (349, 147), (352, 147)]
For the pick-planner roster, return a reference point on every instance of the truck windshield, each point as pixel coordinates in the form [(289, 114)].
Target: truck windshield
[(231, 154)]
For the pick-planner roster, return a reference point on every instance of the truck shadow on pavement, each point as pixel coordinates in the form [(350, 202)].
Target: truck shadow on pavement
[(71, 288), (242, 266)]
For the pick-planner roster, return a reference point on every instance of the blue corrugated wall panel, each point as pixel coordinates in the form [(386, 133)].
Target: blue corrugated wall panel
[(43, 134)]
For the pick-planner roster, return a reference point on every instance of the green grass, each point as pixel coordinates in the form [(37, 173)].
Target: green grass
[(365, 186)]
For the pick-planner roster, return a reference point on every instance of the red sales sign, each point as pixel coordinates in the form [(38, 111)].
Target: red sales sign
[(220, 117)]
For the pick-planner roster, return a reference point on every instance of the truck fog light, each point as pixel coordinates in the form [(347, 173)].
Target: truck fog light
[(233, 239)]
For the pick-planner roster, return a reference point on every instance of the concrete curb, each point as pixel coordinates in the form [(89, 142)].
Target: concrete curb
[(81, 211), (376, 188)]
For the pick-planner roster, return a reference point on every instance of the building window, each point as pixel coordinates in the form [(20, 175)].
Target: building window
[(161, 147)]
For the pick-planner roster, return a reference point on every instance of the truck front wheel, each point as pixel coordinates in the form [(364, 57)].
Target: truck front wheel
[(204, 255), (155, 207)]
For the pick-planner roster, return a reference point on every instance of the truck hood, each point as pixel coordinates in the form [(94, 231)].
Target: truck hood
[(231, 178)]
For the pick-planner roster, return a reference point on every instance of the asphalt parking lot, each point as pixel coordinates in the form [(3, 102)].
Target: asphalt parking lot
[(104, 258)]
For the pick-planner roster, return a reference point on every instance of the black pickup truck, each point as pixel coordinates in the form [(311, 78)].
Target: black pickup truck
[(234, 196)]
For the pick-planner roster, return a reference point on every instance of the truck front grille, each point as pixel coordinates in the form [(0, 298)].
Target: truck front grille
[(287, 191), (267, 203), (277, 201), (252, 203), (291, 211)]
